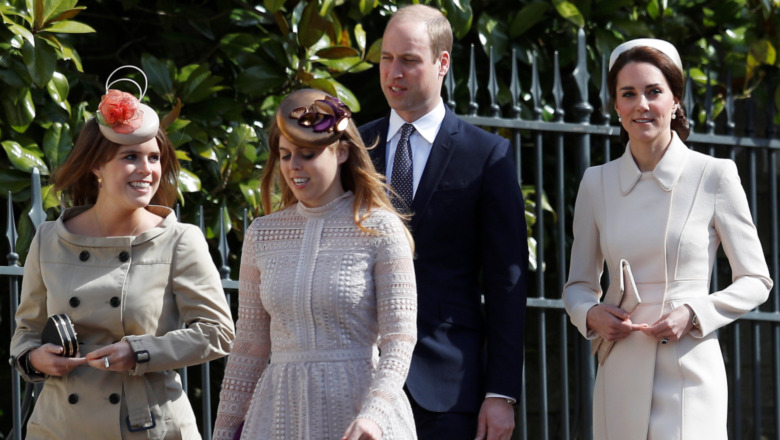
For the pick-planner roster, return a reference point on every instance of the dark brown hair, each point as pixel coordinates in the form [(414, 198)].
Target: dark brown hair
[(672, 73), (79, 184)]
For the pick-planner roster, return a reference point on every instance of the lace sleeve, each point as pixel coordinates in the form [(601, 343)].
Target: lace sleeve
[(396, 293), (251, 349)]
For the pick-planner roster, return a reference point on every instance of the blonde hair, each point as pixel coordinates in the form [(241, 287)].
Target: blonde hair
[(357, 175), (439, 28)]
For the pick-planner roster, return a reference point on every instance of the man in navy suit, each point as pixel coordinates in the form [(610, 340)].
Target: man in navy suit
[(469, 228)]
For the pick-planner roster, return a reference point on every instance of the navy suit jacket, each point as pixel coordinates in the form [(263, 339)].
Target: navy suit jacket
[(470, 236)]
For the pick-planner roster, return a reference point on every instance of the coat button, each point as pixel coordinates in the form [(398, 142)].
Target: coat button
[(73, 399), (114, 398), (74, 301), (115, 301), (84, 256), (124, 256)]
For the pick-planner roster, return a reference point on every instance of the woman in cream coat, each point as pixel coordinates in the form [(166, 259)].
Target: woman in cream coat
[(140, 288), (665, 209)]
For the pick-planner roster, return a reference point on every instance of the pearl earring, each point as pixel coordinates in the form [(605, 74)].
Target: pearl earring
[(674, 115), (620, 119)]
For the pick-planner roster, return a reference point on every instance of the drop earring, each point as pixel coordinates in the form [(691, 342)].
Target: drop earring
[(620, 119), (100, 182)]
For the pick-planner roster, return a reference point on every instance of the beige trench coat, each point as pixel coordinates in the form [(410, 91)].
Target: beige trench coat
[(668, 224), (159, 290)]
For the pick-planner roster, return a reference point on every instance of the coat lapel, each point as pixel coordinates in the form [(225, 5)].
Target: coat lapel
[(441, 153)]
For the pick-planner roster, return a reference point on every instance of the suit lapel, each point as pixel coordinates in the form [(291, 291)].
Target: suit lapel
[(379, 152), (441, 153)]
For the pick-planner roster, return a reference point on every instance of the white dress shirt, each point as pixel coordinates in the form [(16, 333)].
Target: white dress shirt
[(425, 130)]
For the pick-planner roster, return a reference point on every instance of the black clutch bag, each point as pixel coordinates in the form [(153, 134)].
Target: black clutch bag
[(59, 330)]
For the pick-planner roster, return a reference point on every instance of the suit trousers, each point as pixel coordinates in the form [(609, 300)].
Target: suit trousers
[(443, 425)]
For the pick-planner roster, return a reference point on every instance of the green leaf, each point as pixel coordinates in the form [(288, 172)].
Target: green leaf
[(41, 61), (57, 144), (259, 80), (20, 31), (19, 110), (366, 6), (460, 16), (273, 5), (570, 12), (67, 14), (24, 159), (492, 33), (346, 96), (374, 54), (69, 54), (159, 74), (188, 181), (251, 192), (360, 37), (312, 26), (58, 89), (70, 27), (528, 17), (653, 9), (337, 52), (13, 181), (763, 52)]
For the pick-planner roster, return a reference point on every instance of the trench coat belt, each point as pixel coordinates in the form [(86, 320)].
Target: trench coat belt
[(140, 408)]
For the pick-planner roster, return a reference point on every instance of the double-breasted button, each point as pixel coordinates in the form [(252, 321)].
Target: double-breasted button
[(124, 256), (84, 256), (73, 399), (74, 301), (114, 398), (115, 301)]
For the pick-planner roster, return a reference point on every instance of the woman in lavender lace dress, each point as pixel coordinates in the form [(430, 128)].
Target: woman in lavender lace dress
[(326, 285)]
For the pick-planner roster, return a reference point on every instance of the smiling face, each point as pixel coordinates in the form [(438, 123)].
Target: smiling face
[(411, 78), (313, 174), (645, 104), (131, 176)]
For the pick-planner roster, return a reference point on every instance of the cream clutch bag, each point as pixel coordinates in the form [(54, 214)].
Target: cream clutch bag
[(627, 298)]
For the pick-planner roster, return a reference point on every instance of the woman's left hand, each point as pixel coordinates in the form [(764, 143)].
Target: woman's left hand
[(115, 357), (673, 326), (362, 429)]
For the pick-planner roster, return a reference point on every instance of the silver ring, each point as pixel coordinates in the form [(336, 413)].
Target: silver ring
[(106, 362), (663, 341)]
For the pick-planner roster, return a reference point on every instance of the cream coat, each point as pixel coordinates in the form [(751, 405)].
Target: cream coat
[(668, 224), (159, 290)]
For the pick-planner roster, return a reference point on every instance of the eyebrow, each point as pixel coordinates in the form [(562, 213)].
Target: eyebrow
[(649, 86)]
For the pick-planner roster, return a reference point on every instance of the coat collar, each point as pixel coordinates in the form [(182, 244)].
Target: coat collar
[(666, 173), (83, 240)]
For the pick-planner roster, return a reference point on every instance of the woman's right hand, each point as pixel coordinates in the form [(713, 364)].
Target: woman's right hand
[(48, 361), (611, 323)]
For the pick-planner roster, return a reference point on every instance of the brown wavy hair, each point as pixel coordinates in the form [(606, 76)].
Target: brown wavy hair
[(79, 184), (672, 73)]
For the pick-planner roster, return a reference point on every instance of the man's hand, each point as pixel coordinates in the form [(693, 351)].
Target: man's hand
[(496, 419)]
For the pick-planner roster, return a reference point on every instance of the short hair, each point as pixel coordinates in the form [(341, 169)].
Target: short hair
[(672, 73), (439, 28), (79, 184)]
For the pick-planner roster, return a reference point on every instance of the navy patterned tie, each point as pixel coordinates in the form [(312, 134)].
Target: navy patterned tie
[(401, 178)]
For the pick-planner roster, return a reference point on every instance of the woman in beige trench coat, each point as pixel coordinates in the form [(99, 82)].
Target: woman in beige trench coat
[(140, 288), (665, 209)]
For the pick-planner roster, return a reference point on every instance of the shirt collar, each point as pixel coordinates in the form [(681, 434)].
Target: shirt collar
[(427, 126), (666, 173)]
